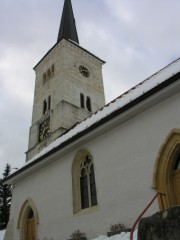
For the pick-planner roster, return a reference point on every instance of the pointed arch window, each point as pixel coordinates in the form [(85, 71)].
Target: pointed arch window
[(83, 179), (87, 183)]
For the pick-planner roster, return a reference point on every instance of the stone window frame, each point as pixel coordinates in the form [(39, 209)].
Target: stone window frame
[(163, 168), (76, 175), (27, 206)]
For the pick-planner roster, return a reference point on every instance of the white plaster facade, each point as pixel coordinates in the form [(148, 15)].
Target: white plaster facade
[(124, 151)]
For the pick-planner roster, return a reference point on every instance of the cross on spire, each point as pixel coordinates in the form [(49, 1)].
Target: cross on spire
[(68, 26)]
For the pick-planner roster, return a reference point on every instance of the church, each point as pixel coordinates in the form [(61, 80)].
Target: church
[(90, 165)]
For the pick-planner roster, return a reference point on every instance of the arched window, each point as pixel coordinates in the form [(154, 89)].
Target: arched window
[(44, 106), (49, 102), (88, 104), (83, 180), (82, 100), (87, 183)]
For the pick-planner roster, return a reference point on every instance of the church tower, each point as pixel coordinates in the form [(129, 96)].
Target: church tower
[(68, 86)]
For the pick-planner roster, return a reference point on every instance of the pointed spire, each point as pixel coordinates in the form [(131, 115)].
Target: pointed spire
[(68, 26)]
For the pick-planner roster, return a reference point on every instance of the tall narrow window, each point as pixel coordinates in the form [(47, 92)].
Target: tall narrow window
[(92, 187), (49, 102), (87, 183), (44, 106), (82, 100), (83, 180), (84, 189), (88, 104)]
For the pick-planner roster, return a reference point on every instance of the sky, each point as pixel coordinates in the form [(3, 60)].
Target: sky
[(136, 38)]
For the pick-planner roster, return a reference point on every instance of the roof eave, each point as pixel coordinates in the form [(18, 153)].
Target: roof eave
[(104, 120)]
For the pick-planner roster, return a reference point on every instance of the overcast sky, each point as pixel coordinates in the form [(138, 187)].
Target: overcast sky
[(136, 38)]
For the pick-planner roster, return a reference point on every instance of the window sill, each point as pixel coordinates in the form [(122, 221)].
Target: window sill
[(86, 211)]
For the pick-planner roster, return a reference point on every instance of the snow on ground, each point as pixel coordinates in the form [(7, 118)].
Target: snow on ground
[(2, 233), (122, 236)]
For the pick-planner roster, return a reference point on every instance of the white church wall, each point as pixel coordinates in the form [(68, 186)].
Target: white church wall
[(123, 160)]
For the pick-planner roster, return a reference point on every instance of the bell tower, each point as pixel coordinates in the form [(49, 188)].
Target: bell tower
[(68, 86)]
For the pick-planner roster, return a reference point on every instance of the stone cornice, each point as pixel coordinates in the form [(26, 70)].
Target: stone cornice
[(74, 47)]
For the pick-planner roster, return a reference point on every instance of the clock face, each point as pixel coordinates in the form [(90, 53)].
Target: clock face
[(84, 71), (44, 129)]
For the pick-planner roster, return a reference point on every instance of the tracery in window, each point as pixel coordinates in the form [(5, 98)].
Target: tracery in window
[(87, 183), (83, 179)]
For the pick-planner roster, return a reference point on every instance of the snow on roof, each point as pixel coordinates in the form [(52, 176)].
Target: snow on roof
[(118, 103)]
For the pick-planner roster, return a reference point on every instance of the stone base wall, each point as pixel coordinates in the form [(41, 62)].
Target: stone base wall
[(161, 226)]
